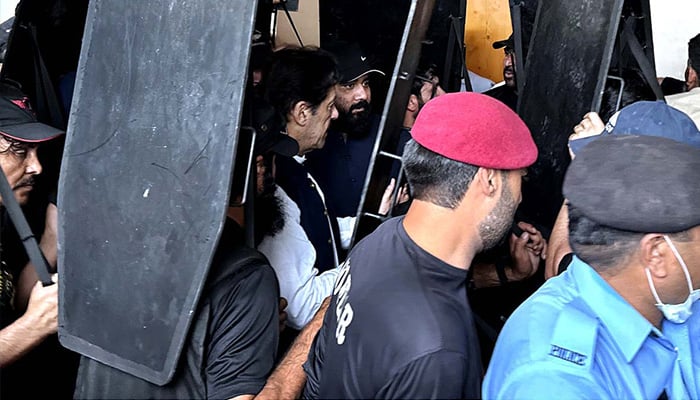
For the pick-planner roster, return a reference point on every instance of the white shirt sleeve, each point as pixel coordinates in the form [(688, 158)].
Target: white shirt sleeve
[(292, 256), (346, 226)]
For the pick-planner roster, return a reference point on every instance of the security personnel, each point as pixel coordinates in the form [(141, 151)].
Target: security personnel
[(399, 324), (618, 322)]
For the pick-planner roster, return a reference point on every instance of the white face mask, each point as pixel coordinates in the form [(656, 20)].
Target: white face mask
[(676, 313)]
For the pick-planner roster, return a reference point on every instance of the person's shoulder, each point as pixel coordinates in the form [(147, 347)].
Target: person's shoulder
[(377, 254), (237, 263), (685, 100), (553, 325), (551, 335), (497, 90), (543, 380)]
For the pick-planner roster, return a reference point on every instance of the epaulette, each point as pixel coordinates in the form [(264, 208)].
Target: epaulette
[(574, 337)]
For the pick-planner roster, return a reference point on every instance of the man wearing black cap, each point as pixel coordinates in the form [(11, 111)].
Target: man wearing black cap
[(341, 166), (508, 91), (621, 322), (20, 136), (399, 324)]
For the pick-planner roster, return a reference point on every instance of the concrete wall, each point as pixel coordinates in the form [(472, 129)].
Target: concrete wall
[(306, 22), (7, 9), (673, 23)]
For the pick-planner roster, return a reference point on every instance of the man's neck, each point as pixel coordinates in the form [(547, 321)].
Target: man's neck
[(435, 229), (635, 290), (237, 214), (409, 119), (296, 132)]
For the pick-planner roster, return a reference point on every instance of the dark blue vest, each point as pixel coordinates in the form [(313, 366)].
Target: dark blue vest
[(292, 177)]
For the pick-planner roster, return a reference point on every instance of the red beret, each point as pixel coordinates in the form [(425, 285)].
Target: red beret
[(475, 129)]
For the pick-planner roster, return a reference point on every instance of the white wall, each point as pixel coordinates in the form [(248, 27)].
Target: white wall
[(7, 9), (673, 23)]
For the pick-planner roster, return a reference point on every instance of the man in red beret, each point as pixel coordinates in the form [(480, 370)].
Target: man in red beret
[(399, 324)]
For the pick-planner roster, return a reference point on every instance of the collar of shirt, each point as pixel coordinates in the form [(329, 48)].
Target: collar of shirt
[(628, 327), (300, 159), (448, 276)]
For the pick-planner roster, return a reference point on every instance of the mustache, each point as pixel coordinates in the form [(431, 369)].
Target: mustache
[(509, 69), (360, 105), (26, 182)]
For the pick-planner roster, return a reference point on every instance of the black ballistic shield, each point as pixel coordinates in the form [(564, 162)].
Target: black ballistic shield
[(146, 173), (566, 69)]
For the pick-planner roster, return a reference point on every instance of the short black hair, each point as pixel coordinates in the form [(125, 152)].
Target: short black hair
[(694, 53), (600, 246), (603, 247), (435, 178), (299, 74), (635, 89)]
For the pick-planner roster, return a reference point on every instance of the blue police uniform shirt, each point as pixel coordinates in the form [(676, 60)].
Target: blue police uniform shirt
[(576, 337)]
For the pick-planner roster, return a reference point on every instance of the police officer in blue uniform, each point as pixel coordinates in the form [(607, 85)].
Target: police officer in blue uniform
[(620, 322)]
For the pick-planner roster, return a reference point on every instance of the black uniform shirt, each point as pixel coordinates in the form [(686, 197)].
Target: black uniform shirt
[(231, 346), (399, 326)]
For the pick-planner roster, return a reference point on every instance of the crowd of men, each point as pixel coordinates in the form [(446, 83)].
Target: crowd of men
[(306, 315)]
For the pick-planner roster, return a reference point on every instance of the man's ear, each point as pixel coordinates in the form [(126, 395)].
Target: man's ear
[(487, 180), (693, 80), (301, 112), (654, 253), (412, 105)]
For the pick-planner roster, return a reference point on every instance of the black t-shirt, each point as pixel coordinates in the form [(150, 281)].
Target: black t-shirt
[(398, 326), (231, 346)]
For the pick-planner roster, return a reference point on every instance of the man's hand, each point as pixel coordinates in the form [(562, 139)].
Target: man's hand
[(42, 310), (283, 314), (590, 125), (39, 321), (401, 197), (526, 252)]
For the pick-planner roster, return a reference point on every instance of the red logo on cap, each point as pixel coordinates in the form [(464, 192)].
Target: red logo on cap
[(23, 104)]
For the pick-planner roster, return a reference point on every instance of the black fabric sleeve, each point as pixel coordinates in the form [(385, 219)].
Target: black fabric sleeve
[(242, 334), (438, 375)]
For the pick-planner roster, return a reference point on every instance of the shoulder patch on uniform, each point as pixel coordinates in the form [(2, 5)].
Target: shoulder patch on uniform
[(574, 337)]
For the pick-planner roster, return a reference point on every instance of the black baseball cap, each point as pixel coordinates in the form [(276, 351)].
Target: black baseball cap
[(353, 63), (510, 43), (17, 119)]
